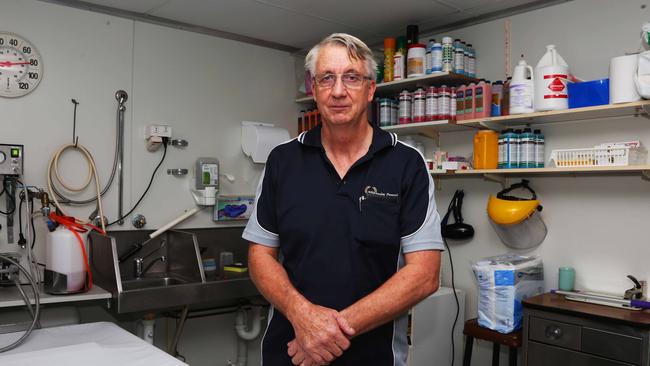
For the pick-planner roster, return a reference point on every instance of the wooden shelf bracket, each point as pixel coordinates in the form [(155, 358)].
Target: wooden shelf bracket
[(498, 178), (645, 175)]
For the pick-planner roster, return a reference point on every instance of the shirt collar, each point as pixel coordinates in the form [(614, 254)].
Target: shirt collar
[(380, 139)]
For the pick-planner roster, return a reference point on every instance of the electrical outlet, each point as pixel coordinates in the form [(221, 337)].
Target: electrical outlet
[(157, 131)]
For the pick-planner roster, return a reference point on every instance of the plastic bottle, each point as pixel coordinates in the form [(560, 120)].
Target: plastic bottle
[(412, 34), (419, 105), (389, 55), (460, 103), (444, 100), (415, 60), (466, 58), (509, 149), (505, 101), (469, 101), (399, 61), (483, 98), (527, 157), (447, 54), (428, 59), (436, 57), (63, 255), (521, 89), (486, 145), (404, 107), (385, 107), (551, 77), (497, 98), (539, 149), (452, 104), (517, 150), (398, 66), (472, 61), (431, 109), (501, 151), (394, 111), (459, 62)]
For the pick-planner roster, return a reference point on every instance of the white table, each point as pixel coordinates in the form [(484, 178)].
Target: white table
[(97, 344)]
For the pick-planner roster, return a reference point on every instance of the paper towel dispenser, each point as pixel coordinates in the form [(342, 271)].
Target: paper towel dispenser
[(258, 139)]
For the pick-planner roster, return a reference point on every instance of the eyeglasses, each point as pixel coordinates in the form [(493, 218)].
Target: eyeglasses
[(351, 80)]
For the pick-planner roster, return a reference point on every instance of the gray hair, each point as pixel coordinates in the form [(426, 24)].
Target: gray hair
[(357, 50)]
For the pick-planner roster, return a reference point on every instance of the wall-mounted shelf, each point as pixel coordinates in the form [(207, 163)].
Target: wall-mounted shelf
[(569, 115), (429, 129), (643, 170), (502, 175), (391, 88)]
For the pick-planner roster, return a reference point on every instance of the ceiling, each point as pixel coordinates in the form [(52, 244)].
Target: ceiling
[(295, 25)]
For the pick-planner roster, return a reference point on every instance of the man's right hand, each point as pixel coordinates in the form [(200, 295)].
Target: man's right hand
[(319, 333)]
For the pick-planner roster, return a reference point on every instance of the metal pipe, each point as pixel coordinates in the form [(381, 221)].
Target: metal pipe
[(121, 97), (179, 330)]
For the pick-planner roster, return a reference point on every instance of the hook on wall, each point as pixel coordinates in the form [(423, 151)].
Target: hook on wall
[(75, 138)]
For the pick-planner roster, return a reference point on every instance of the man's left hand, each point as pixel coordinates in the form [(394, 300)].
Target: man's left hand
[(301, 358)]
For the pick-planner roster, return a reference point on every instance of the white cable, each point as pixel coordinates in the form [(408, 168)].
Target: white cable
[(92, 172)]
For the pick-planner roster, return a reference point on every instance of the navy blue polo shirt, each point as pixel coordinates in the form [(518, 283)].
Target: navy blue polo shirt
[(340, 239)]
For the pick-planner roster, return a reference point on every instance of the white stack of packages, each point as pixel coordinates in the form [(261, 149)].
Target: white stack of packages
[(504, 281)]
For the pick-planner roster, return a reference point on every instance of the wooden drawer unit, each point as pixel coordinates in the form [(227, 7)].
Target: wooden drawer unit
[(561, 332)]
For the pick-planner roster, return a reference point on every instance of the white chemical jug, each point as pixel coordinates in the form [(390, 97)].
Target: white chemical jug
[(521, 89), (551, 77), (65, 270)]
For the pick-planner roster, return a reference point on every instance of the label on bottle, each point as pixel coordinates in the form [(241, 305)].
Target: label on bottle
[(436, 59), (479, 99), (521, 97), (460, 102), (398, 66), (432, 106), (469, 96), (447, 57)]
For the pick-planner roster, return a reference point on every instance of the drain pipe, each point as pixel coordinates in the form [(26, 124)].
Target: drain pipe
[(244, 335)]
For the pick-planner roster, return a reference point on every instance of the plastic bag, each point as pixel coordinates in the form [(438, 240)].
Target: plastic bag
[(504, 281)]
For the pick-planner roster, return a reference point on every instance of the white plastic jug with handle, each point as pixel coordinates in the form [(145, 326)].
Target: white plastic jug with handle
[(551, 77), (521, 89)]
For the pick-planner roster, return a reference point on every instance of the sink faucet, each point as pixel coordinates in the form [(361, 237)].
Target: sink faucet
[(138, 262)]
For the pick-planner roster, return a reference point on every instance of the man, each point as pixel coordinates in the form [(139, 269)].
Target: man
[(345, 236)]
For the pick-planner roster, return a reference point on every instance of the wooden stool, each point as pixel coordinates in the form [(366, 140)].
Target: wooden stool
[(473, 330)]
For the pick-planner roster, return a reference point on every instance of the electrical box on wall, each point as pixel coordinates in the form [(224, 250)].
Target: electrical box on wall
[(157, 131), (11, 159), (154, 135)]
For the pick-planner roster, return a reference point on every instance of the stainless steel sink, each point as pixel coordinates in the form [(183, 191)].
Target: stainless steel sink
[(176, 282), (142, 283)]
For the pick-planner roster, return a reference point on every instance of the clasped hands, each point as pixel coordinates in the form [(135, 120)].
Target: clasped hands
[(322, 335)]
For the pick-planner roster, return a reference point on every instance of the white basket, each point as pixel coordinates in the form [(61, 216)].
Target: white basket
[(607, 156)]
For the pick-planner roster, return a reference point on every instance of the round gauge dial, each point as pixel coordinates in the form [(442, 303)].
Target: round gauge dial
[(21, 66)]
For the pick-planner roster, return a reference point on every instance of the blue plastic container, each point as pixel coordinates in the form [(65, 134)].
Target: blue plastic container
[(589, 93)]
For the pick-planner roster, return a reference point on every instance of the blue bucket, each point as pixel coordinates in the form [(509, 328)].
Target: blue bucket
[(588, 93)]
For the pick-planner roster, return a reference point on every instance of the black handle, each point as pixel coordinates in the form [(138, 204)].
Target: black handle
[(458, 215), (523, 184)]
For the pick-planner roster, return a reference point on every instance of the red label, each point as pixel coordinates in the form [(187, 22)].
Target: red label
[(551, 76), (552, 96), (556, 85)]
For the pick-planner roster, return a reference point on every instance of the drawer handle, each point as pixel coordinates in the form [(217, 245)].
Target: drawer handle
[(553, 332)]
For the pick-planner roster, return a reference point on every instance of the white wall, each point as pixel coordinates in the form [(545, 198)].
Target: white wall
[(598, 225), (200, 85)]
